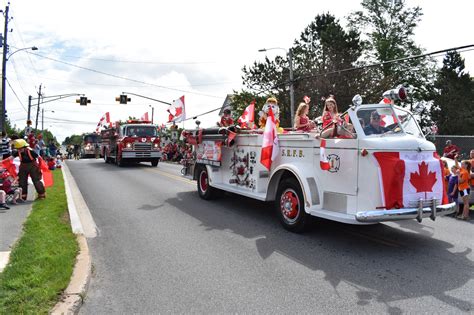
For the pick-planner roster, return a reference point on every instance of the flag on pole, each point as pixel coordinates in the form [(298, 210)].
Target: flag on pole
[(270, 146), (145, 117), (177, 111), (104, 121), (248, 115), (47, 175), (323, 159)]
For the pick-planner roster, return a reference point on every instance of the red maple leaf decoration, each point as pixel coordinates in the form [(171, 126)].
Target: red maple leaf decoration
[(423, 181)]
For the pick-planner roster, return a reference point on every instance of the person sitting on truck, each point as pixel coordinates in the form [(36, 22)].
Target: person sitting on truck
[(374, 127), (302, 122), (226, 119), (273, 104)]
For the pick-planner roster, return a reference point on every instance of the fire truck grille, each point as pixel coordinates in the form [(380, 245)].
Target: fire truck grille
[(142, 146)]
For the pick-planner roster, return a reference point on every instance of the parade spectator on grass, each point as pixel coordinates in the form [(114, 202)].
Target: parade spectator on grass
[(8, 186), (5, 148)]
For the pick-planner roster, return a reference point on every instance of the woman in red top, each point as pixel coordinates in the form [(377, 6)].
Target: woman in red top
[(302, 122), (463, 186), (330, 113)]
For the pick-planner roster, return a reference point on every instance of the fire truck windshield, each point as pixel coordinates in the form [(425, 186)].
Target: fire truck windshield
[(140, 131)]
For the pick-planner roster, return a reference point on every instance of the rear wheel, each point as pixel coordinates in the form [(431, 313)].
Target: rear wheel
[(154, 163), (290, 206), (205, 191)]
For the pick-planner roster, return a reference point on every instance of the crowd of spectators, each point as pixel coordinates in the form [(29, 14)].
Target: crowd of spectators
[(176, 152)]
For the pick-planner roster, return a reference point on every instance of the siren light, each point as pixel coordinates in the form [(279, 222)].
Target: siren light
[(398, 94)]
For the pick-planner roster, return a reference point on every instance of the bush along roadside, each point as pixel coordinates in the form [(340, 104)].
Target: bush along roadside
[(42, 261)]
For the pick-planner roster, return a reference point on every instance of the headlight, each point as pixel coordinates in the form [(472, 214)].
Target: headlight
[(156, 145), (88, 147), (128, 145)]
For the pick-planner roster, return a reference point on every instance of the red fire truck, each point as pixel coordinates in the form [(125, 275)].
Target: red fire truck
[(131, 141)]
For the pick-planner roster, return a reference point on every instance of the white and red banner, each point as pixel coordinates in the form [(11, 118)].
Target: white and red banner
[(323, 159), (270, 146), (177, 112), (247, 116), (104, 121), (145, 117), (407, 177), (209, 151), (387, 120)]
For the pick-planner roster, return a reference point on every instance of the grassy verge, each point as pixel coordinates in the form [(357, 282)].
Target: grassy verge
[(42, 261)]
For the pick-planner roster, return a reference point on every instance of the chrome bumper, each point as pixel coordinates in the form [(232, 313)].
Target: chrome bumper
[(419, 213)]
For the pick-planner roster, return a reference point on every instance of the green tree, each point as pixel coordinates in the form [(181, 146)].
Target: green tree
[(388, 33), (323, 48), (453, 103)]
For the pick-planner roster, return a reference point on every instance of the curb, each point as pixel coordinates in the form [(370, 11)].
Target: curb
[(73, 297)]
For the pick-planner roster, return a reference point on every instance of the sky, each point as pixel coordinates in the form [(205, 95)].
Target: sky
[(166, 49)]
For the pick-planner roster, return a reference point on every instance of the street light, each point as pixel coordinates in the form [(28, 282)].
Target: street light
[(292, 90), (4, 78)]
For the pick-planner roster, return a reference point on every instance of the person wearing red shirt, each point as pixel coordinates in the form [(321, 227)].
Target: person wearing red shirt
[(450, 150), (226, 119)]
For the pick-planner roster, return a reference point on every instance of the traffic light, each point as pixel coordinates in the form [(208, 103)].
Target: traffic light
[(123, 99), (83, 101)]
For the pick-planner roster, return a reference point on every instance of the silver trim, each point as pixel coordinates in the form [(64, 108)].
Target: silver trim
[(406, 213)]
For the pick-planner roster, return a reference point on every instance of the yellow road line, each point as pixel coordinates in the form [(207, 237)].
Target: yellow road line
[(172, 176)]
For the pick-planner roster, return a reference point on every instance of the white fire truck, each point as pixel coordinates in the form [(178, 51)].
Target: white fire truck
[(133, 141), (392, 174)]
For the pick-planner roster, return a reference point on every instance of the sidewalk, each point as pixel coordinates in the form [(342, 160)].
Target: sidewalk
[(11, 225)]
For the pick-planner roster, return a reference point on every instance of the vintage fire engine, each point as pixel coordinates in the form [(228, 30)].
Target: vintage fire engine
[(90, 146), (392, 174), (132, 141)]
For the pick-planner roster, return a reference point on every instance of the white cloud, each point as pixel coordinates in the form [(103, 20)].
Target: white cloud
[(197, 46)]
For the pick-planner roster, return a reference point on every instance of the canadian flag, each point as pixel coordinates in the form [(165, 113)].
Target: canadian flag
[(176, 110), (104, 121), (387, 120), (46, 173), (270, 147), (323, 159), (248, 115), (145, 117), (407, 177)]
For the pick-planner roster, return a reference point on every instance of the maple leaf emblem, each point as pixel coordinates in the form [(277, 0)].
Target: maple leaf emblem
[(423, 181)]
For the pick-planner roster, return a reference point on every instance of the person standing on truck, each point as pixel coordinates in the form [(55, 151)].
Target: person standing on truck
[(77, 151), (226, 119), (28, 167), (330, 112)]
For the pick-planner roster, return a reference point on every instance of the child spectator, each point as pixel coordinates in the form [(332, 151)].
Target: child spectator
[(453, 187), (3, 196), (8, 187), (463, 186), (226, 119), (51, 164)]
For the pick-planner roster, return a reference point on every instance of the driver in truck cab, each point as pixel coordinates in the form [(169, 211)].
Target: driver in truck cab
[(374, 127)]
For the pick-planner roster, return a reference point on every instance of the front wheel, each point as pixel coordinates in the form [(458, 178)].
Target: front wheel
[(154, 163), (119, 161), (290, 206), (205, 191), (106, 158)]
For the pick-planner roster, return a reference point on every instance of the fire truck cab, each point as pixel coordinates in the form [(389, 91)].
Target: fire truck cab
[(389, 174), (132, 141)]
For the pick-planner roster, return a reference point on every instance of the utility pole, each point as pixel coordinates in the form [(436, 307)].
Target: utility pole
[(38, 109), (42, 120), (29, 107), (4, 69), (152, 112)]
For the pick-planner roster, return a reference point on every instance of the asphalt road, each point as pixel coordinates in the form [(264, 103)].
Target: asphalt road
[(161, 249)]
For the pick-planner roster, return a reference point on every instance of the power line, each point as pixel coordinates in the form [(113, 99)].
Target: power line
[(16, 95), (123, 78)]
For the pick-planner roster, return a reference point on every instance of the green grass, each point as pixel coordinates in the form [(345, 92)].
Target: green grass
[(42, 261)]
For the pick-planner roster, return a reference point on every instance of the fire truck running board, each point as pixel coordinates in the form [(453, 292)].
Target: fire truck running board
[(241, 191)]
